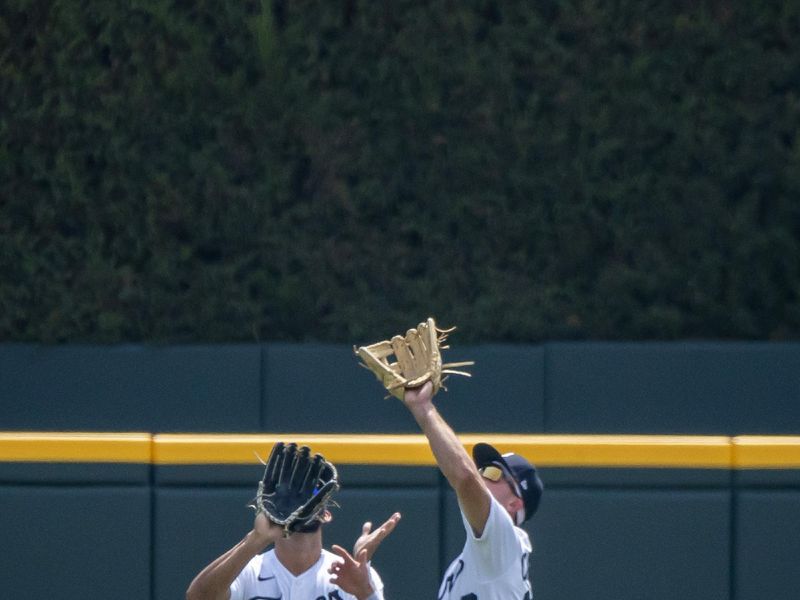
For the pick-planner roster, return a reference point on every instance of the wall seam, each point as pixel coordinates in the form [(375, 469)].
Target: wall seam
[(262, 416), (545, 391), (152, 486), (732, 514)]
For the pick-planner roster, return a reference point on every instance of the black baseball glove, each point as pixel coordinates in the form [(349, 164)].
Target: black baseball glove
[(296, 487)]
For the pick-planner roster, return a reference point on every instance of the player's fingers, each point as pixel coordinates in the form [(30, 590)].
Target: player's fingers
[(362, 556), (343, 554), (366, 528), (389, 525)]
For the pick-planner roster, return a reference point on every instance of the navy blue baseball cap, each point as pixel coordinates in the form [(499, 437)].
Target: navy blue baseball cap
[(529, 485)]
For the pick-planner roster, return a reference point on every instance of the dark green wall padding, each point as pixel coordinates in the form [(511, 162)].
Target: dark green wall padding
[(629, 534), (670, 388)]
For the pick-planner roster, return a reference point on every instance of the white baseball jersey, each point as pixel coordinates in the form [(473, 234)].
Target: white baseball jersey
[(265, 578), (493, 566)]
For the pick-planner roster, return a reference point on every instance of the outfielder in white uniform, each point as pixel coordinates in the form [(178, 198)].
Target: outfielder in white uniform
[(494, 564), (496, 494), (266, 578), (297, 568)]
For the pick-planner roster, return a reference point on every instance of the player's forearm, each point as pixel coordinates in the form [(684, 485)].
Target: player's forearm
[(450, 455), (214, 581), (457, 467)]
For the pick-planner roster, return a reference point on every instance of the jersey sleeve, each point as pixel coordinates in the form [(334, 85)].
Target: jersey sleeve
[(497, 546), (376, 583)]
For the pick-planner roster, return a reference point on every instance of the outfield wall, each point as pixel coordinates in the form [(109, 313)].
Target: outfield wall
[(654, 388), (136, 513)]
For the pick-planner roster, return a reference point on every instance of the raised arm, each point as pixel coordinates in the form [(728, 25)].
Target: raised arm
[(452, 458), (214, 581)]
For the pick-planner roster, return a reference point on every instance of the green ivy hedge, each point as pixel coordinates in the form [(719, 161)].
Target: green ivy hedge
[(237, 171)]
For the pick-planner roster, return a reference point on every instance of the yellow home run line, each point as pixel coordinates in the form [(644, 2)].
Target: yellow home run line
[(652, 451), (339, 449), (574, 451), (75, 447), (766, 452)]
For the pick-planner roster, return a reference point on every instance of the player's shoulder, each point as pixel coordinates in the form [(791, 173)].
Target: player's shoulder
[(524, 539), (247, 577), (328, 555), (500, 525), (499, 515), (255, 563), (266, 561)]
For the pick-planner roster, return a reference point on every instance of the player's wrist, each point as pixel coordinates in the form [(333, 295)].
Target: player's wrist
[(257, 540), (367, 593), (264, 532)]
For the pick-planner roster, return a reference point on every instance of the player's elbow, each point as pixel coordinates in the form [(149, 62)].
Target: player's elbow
[(196, 593), (464, 477), (192, 594)]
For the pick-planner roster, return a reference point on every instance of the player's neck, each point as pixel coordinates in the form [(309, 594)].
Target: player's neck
[(299, 552)]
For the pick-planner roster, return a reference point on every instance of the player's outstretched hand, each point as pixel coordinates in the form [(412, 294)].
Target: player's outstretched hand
[(351, 574), (370, 540)]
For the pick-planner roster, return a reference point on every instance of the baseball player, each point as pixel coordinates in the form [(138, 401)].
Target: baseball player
[(296, 568), (496, 494)]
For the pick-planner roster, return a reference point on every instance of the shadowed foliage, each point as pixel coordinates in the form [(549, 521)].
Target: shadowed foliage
[(240, 171)]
